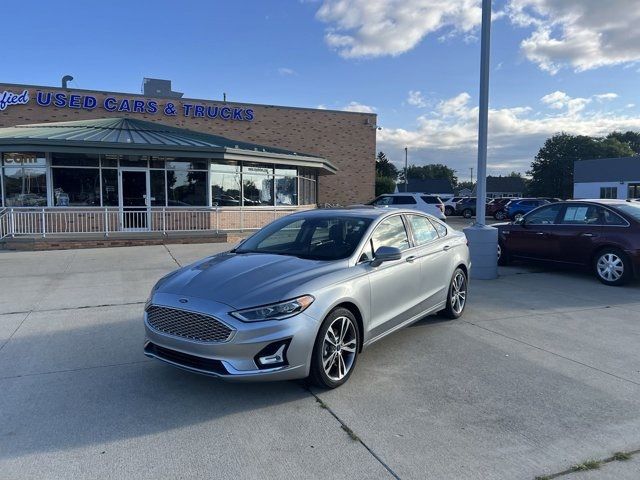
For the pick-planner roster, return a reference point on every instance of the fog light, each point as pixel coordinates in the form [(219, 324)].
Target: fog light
[(273, 355)]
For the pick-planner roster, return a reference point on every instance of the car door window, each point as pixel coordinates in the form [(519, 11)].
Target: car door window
[(390, 233), (544, 216), (581, 215), (382, 201), (440, 228), (611, 218), (404, 200), (423, 231)]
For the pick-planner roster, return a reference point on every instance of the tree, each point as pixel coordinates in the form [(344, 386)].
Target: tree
[(632, 139), (465, 184), (435, 170), (552, 169), (384, 168), (384, 185)]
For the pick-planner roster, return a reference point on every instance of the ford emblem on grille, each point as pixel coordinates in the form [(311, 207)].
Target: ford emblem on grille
[(183, 300)]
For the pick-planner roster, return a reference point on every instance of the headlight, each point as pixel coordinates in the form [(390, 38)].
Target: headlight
[(275, 311)]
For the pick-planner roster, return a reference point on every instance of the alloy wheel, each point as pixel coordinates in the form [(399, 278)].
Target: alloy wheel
[(339, 348), (610, 267), (458, 292)]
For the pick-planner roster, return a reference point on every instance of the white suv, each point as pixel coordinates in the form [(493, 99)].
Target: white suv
[(430, 204)]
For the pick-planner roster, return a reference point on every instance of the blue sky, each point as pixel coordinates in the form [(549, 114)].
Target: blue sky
[(567, 65)]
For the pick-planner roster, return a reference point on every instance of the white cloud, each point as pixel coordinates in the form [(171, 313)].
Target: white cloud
[(448, 134), (358, 107), (372, 28), (560, 100), (581, 34), (284, 71), (416, 99)]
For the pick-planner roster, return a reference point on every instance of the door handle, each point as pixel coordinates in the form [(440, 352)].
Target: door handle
[(446, 247), (588, 235), (411, 259), (539, 233)]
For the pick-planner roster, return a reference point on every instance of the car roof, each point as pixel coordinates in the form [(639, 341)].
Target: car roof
[(602, 201), (356, 211)]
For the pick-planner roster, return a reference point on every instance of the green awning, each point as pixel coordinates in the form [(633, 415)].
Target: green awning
[(139, 137)]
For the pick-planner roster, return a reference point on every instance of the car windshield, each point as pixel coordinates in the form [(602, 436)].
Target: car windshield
[(630, 209), (327, 237)]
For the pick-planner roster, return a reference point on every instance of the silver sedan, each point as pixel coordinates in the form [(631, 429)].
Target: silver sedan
[(306, 294)]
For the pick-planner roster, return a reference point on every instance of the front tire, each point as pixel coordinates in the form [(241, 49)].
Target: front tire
[(335, 351), (449, 211), (499, 215), (612, 267), (457, 296)]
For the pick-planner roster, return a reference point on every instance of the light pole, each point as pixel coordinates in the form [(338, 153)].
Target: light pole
[(406, 156), (483, 240)]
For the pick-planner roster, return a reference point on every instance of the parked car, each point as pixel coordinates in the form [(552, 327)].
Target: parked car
[(430, 204), (306, 294), (466, 207), (496, 208), (602, 235), (518, 207), (450, 205)]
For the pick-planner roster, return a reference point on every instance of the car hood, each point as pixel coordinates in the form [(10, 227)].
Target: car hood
[(245, 280)]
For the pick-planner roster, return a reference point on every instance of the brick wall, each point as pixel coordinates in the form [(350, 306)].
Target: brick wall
[(346, 139)]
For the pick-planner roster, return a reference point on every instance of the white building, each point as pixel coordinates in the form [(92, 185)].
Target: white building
[(607, 178)]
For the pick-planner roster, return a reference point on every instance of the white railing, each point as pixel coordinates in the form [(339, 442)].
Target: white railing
[(44, 221), (4, 223)]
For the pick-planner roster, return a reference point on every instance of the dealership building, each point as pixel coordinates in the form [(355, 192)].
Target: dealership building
[(607, 178), (81, 163)]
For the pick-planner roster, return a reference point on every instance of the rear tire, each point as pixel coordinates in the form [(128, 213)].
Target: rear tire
[(449, 211), (612, 267), (467, 213), (457, 295), (499, 215), (335, 350)]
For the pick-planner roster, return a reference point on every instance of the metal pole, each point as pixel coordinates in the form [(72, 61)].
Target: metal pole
[(406, 168), (483, 240), (483, 120), (472, 176)]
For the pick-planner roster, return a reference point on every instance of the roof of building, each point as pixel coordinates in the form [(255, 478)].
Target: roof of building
[(430, 185), (607, 170), (501, 184), (128, 135)]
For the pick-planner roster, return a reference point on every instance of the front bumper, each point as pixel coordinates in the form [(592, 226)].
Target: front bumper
[(233, 359)]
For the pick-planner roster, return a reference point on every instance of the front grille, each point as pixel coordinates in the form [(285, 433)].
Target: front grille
[(186, 360), (190, 325)]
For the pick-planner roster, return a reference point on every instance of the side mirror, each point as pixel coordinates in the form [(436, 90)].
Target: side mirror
[(386, 254), (519, 221)]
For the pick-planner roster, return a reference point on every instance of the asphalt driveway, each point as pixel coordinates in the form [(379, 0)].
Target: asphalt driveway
[(542, 373)]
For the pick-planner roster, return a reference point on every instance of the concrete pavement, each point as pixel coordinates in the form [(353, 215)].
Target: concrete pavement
[(542, 372)]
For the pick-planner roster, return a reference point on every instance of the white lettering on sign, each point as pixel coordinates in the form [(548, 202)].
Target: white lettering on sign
[(8, 98)]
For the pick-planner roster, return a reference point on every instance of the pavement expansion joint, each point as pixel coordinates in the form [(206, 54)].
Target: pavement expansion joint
[(171, 255), (591, 464), (351, 433)]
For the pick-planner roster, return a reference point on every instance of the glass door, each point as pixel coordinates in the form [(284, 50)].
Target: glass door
[(134, 185)]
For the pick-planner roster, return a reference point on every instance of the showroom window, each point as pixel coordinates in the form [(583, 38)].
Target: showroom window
[(307, 180), (257, 185), (24, 178), (286, 185), (608, 192), (225, 185)]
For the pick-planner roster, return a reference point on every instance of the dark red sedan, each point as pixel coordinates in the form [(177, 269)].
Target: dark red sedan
[(602, 235)]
